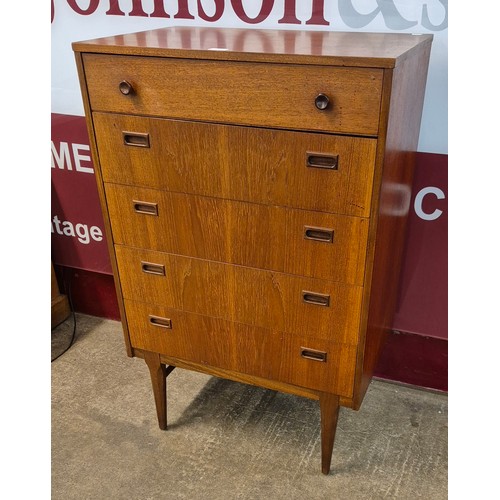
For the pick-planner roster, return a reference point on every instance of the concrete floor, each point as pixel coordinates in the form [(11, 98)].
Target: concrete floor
[(228, 440)]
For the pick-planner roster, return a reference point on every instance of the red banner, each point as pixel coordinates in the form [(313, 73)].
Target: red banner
[(77, 226), (423, 299)]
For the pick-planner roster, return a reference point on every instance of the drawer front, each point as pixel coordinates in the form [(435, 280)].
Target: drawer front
[(312, 363), (273, 95), (304, 306), (294, 169), (292, 241)]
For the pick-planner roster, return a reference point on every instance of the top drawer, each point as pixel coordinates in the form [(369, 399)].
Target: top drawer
[(274, 95)]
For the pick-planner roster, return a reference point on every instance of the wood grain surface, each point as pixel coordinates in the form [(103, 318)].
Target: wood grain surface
[(245, 295), (248, 349), (249, 234), (271, 95), (402, 112), (239, 163), (331, 48), (102, 198)]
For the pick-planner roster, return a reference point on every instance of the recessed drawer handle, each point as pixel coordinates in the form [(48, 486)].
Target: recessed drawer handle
[(152, 268), (318, 160), (317, 299), (318, 234), (161, 322), (145, 207), (137, 139), (313, 354)]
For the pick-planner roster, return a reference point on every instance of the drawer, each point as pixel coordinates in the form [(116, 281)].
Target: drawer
[(270, 95), (295, 169), (305, 306), (299, 242), (312, 363)]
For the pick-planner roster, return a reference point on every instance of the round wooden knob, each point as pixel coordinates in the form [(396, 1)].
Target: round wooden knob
[(322, 101), (126, 87)]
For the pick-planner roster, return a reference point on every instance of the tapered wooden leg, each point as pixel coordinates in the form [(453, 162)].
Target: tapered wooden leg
[(329, 409), (158, 372)]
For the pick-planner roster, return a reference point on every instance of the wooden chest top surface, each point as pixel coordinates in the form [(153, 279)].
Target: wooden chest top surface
[(376, 50)]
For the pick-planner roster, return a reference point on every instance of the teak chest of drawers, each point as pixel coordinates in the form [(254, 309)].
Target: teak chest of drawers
[(255, 186)]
